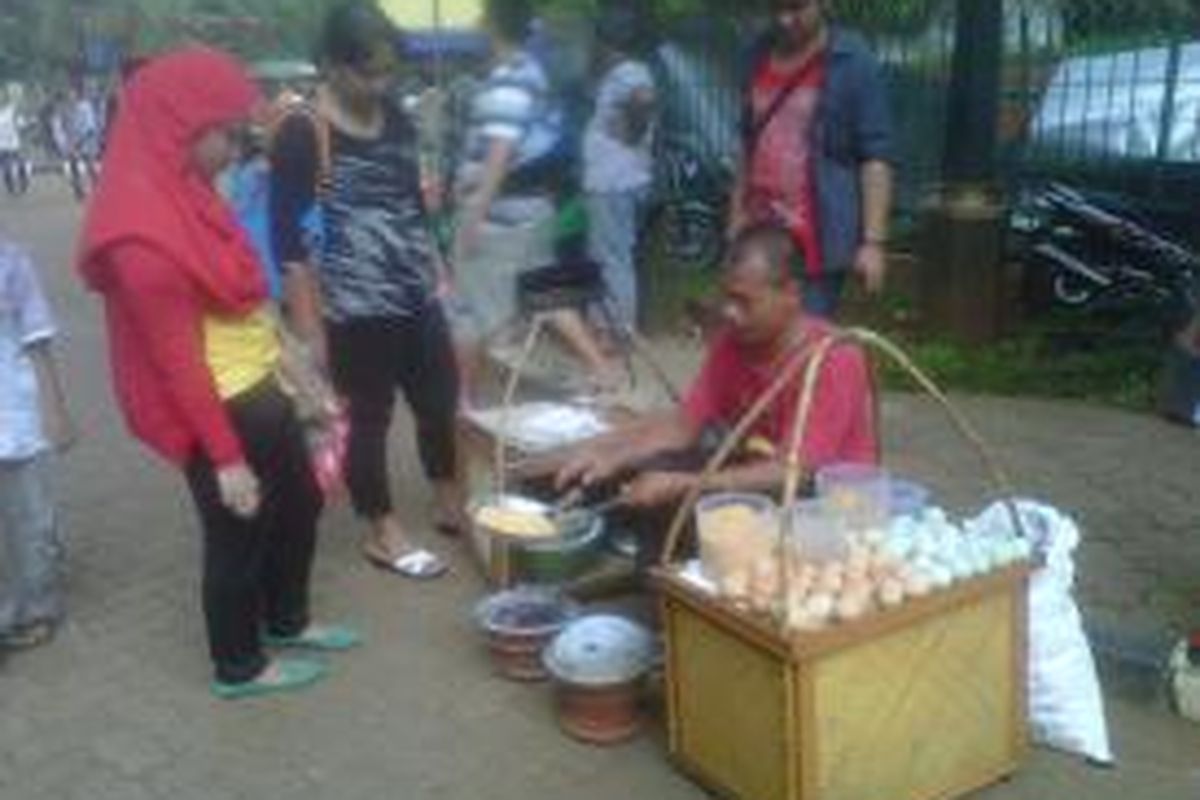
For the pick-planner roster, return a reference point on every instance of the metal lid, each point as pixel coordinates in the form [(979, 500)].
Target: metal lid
[(600, 650), (526, 610)]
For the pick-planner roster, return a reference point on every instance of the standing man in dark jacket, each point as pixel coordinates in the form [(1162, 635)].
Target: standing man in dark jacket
[(817, 139)]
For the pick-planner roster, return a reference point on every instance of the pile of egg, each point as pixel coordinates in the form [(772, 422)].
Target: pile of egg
[(881, 569)]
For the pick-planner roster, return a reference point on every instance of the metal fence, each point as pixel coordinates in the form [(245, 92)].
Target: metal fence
[(1109, 97), (1100, 92)]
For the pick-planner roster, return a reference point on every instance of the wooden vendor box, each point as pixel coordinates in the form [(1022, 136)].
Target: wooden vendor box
[(922, 702)]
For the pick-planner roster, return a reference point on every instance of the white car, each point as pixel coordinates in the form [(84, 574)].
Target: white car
[(1115, 105)]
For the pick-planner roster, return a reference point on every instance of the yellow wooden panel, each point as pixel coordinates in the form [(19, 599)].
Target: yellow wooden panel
[(732, 705), (925, 712), (425, 14)]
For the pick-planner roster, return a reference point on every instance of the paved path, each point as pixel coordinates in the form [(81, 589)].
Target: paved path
[(117, 707)]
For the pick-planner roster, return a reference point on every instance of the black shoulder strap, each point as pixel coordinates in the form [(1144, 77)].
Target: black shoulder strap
[(759, 124)]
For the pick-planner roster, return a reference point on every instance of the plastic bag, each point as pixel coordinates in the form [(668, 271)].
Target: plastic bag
[(1066, 708), (327, 443)]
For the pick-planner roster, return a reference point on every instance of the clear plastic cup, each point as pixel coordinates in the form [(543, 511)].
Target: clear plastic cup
[(815, 532), (736, 531), (907, 498), (860, 494)]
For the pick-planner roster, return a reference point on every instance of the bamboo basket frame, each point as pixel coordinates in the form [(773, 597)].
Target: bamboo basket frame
[(640, 348)]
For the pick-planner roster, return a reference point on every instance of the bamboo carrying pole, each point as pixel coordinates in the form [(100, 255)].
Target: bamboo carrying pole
[(812, 359)]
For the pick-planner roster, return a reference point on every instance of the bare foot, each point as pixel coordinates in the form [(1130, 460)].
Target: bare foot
[(388, 540), (449, 515)]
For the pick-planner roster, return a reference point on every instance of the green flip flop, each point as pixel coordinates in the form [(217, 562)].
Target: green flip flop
[(294, 673), (319, 637)]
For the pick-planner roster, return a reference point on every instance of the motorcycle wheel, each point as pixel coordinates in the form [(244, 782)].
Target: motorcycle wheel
[(694, 233), (1072, 290)]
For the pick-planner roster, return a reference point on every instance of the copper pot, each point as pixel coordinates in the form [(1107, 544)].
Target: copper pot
[(600, 714), (518, 624)]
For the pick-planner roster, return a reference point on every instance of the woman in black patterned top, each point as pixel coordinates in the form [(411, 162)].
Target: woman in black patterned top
[(364, 297)]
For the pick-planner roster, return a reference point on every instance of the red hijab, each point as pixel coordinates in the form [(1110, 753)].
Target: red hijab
[(149, 191)]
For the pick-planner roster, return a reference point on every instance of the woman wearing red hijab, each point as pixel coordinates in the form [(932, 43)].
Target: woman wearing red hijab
[(194, 358)]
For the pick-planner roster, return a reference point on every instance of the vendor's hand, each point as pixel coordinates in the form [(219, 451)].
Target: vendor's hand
[(588, 467), (871, 265), (239, 490), (654, 489)]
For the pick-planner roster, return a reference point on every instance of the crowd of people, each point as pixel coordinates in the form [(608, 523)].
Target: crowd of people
[(227, 340), (60, 130)]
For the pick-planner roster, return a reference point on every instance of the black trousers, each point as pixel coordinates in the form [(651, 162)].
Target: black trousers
[(256, 571), (369, 359), (16, 179)]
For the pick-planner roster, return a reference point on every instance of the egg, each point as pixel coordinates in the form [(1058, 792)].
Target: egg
[(874, 536), (897, 547), (819, 606), (891, 593), (735, 585), (829, 583), (940, 577), (851, 606), (856, 585), (800, 620), (1014, 551), (916, 585), (799, 582)]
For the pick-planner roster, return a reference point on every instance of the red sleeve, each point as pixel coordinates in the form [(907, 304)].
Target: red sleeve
[(841, 424), (163, 310), (705, 401)]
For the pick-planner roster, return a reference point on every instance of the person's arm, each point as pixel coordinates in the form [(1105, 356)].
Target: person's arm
[(161, 308), (606, 456), (875, 153), (652, 489), (35, 327), (155, 298), (871, 260), (57, 423), (294, 174), (476, 205)]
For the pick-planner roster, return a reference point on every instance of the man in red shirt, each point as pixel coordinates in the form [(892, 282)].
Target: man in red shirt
[(765, 330)]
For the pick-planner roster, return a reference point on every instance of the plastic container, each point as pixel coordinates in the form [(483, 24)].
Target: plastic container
[(735, 532), (859, 494), (815, 532), (906, 498)]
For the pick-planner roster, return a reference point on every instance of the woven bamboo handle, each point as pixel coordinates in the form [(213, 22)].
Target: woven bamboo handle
[(719, 458), (510, 391), (642, 348), (813, 359)]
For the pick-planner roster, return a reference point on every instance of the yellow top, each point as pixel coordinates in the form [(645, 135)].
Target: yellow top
[(241, 351)]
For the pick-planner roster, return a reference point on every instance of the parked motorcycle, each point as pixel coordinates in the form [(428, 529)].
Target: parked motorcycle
[(1094, 255), (697, 141)]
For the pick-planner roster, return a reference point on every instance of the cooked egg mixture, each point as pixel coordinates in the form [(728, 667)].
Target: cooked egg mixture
[(514, 522)]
